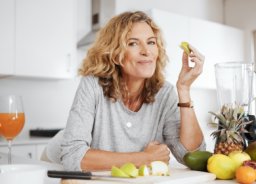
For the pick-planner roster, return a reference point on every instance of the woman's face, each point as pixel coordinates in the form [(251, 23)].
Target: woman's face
[(141, 54)]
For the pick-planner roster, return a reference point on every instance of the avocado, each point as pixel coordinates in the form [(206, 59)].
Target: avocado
[(251, 150), (197, 160)]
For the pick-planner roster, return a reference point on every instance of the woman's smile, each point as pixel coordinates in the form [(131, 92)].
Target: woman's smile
[(144, 61)]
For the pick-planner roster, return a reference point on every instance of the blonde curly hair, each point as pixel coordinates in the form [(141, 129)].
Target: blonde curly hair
[(107, 53)]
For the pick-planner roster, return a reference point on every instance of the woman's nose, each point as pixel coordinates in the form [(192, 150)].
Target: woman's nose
[(144, 51)]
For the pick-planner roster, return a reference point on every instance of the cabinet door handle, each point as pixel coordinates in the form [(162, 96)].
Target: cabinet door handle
[(30, 155)]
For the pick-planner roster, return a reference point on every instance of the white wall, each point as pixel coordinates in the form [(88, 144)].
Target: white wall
[(47, 102), (203, 9), (205, 100), (242, 14)]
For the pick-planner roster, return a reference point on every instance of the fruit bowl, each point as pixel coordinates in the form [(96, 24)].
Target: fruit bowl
[(22, 174)]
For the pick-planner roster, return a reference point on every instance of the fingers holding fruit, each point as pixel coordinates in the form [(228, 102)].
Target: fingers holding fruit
[(189, 74), (195, 53), (198, 59)]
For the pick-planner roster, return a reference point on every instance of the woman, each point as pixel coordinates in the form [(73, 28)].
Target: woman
[(124, 111)]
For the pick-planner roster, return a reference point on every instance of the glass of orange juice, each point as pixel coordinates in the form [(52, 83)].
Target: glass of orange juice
[(12, 119)]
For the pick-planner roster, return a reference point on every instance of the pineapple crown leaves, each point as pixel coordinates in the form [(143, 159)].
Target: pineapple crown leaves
[(231, 124)]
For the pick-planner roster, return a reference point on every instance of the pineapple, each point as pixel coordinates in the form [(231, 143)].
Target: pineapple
[(231, 127)]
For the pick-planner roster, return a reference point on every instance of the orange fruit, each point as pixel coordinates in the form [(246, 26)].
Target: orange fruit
[(245, 175)]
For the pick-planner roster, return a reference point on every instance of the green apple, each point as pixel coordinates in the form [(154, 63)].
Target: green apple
[(185, 47), (239, 157), (116, 172), (144, 170), (130, 169), (159, 168)]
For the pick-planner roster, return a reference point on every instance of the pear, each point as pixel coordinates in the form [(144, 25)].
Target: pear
[(185, 47), (159, 168), (144, 170), (130, 169), (116, 172)]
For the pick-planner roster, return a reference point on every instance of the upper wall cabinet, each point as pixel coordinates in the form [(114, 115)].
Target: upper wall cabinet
[(44, 37), (217, 42), (7, 34)]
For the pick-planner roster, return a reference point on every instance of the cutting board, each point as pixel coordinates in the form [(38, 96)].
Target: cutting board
[(180, 176)]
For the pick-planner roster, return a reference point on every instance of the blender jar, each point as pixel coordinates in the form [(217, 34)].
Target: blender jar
[(235, 86)]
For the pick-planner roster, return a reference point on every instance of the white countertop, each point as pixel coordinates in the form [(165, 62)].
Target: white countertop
[(176, 170), (21, 160)]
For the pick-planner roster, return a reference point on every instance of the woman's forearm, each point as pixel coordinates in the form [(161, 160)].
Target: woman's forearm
[(96, 160), (191, 135)]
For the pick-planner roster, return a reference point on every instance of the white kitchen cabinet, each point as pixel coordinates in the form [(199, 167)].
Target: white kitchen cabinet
[(38, 38), (31, 151), (26, 151), (217, 42), (7, 34), (39, 150), (45, 38)]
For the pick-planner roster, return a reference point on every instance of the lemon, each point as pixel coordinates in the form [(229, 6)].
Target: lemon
[(222, 166)]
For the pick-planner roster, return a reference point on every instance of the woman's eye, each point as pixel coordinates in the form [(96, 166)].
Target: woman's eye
[(151, 42), (132, 44)]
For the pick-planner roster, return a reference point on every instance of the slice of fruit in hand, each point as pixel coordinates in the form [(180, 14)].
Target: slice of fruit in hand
[(116, 172), (159, 168), (130, 169), (185, 47)]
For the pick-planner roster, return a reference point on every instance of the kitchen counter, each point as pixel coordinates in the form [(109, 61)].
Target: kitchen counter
[(22, 160), (179, 174)]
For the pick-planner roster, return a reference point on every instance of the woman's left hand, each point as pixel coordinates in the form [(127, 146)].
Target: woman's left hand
[(189, 74)]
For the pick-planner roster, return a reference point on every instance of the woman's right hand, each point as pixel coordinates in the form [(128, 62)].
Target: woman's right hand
[(157, 151)]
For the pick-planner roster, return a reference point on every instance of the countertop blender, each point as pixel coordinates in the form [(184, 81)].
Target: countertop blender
[(235, 82)]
